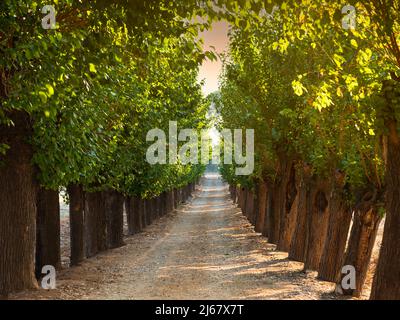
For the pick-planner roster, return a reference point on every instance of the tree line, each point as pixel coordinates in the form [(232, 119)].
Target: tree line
[(319, 82), (76, 102)]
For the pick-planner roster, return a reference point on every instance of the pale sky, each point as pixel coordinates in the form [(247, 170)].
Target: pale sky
[(210, 70)]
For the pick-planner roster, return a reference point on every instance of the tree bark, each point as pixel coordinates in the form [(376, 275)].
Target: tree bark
[(163, 203), (255, 212), (76, 223), (158, 206), (317, 227), (149, 212), (185, 194), (290, 226), (297, 246), (287, 214), (17, 207), (95, 223), (386, 283), (362, 239), (47, 230), (114, 208), (138, 214), (255, 209), (243, 198), (249, 205), (338, 230), (244, 201), (262, 207), (273, 213), (169, 201), (143, 213), (240, 197), (130, 215), (176, 200), (179, 195), (299, 239), (91, 201), (187, 190)]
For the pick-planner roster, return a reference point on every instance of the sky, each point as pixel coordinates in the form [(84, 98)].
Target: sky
[(210, 70)]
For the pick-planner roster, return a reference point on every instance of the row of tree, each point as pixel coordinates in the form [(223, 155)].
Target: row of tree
[(319, 82), (76, 103)]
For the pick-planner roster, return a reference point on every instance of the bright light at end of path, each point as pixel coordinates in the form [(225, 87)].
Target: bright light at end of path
[(214, 136)]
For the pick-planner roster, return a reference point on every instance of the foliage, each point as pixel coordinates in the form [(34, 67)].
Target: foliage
[(96, 84), (312, 89)]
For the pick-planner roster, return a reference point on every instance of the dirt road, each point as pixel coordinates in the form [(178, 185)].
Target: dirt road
[(204, 250)]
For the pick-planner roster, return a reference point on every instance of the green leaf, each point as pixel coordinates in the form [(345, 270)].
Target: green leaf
[(43, 96), (50, 90), (92, 68)]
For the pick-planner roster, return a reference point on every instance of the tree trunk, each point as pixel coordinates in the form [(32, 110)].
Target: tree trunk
[(154, 209), (249, 205), (240, 197), (91, 202), (170, 201), (243, 198), (244, 201), (163, 203), (255, 212), (185, 190), (273, 213), (138, 214), (134, 215), (114, 208), (47, 230), (76, 223), (262, 207), (143, 213), (176, 200), (317, 227), (290, 226), (17, 207), (149, 212), (386, 283), (288, 208), (298, 244), (185, 194), (361, 242), (180, 200), (299, 239), (338, 230), (95, 223), (157, 204), (130, 215)]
